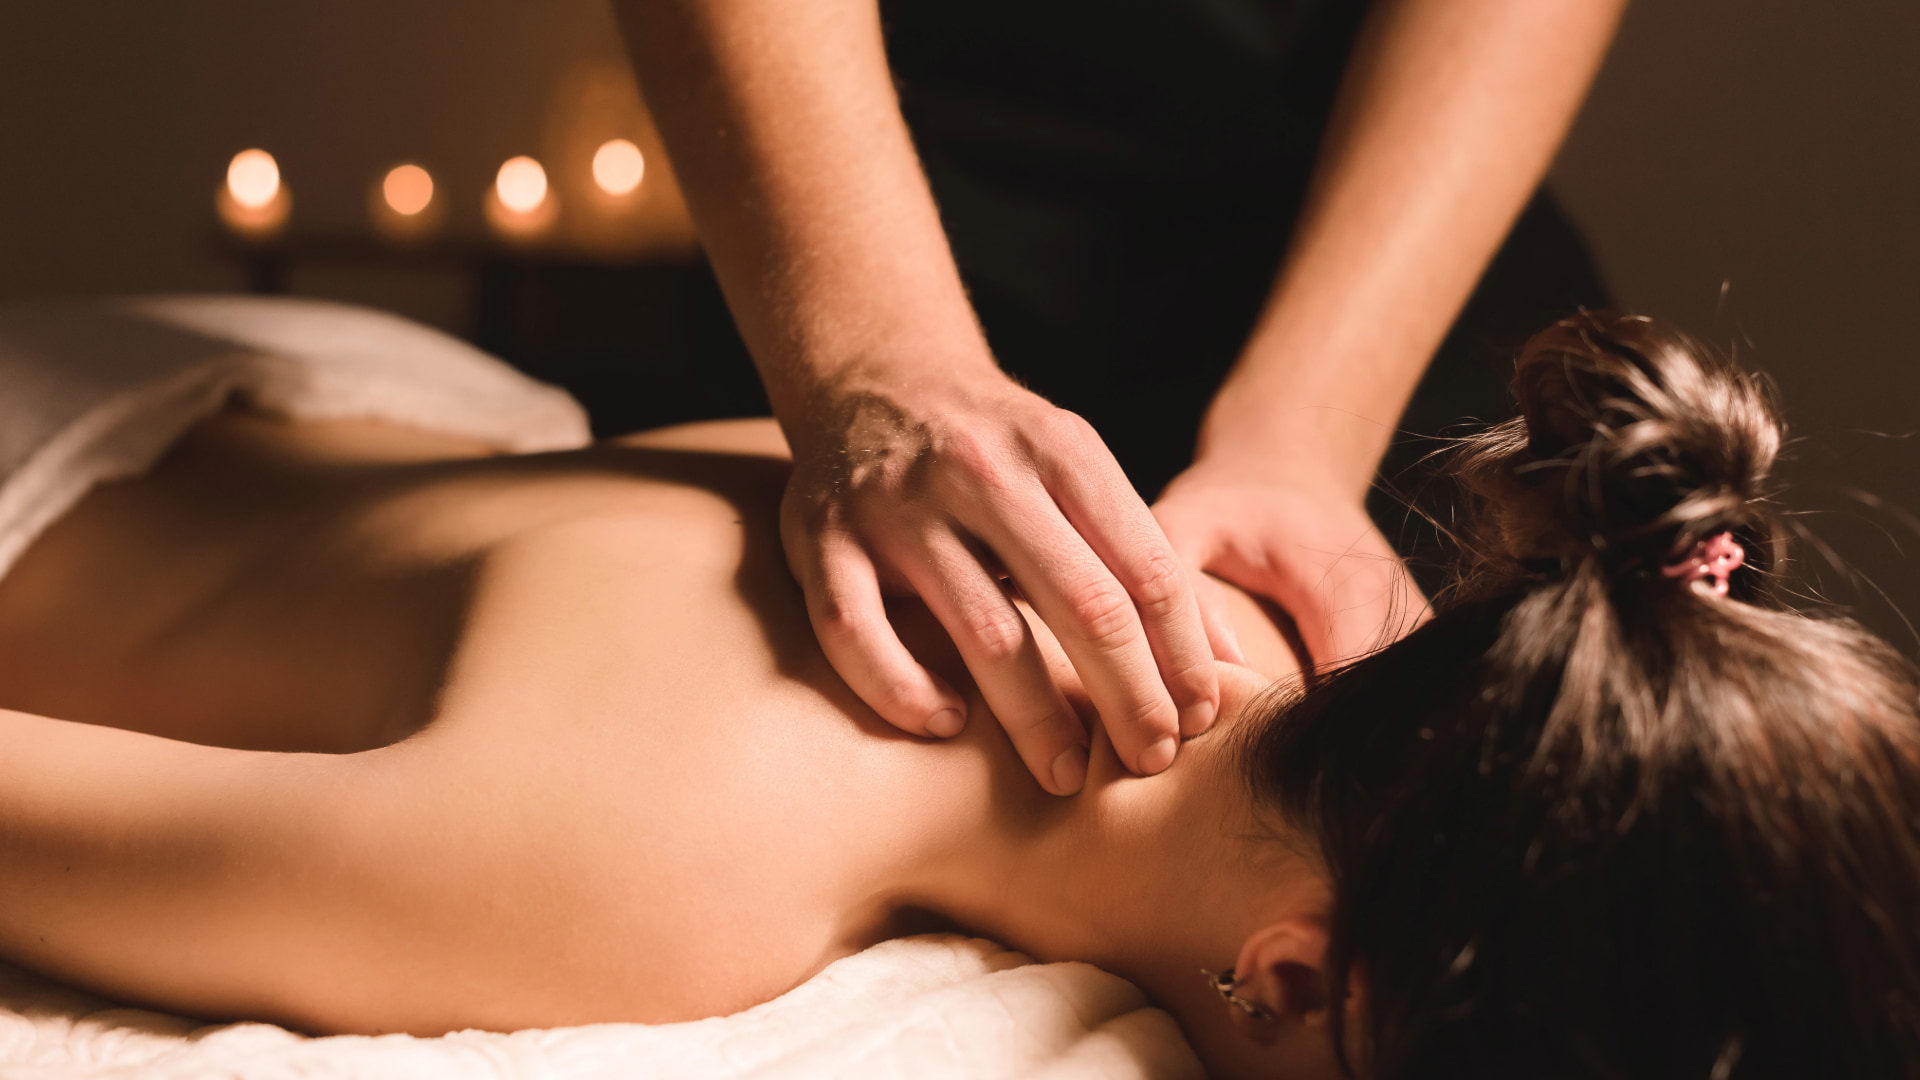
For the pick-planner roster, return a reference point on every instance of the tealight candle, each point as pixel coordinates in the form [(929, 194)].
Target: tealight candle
[(521, 206), (618, 167), (402, 204), (253, 202)]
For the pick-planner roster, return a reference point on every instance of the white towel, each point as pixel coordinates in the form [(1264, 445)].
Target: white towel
[(97, 391), (928, 1008)]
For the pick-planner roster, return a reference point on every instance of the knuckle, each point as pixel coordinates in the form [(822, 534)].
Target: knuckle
[(1158, 587), (1045, 726), (815, 524), (894, 693), (1065, 426), (838, 623), (997, 632), (1195, 682), (830, 539), (977, 457), (837, 619), (1103, 612), (1148, 719), (1070, 439)]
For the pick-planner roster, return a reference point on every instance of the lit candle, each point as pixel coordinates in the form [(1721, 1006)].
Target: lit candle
[(253, 202), (520, 206), (402, 204), (408, 189), (618, 167)]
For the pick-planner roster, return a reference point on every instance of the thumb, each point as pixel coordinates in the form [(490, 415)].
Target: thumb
[(1359, 602), (1190, 544), (1217, 617)]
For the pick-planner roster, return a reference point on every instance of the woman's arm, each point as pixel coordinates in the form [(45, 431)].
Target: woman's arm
[(1446, 121), (156, 870), (327, 892), (918, 466)]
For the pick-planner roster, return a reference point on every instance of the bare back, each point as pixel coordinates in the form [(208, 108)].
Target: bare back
[(592, 665), (554, 741)]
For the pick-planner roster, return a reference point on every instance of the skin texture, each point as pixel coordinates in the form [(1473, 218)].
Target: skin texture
[(358, 729), (922, 470)]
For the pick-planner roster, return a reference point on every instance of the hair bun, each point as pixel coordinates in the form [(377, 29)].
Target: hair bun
[(1633, 443)]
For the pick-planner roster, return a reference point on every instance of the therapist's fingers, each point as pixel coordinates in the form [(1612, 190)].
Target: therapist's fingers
[(1094, 618), (1001, 652), (1195, 546), (1100, 504), (1218, 617), (849, 618)]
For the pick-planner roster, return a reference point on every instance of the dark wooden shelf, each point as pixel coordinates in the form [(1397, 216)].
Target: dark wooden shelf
[(641, 340)]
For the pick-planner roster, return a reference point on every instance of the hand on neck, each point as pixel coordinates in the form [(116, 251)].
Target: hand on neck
[(1152, 878), (1156, 878)]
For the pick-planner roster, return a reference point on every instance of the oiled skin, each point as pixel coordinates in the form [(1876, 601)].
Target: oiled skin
[(569, 752)]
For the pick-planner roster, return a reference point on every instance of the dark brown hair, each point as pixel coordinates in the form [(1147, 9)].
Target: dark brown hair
[(1589, 821)]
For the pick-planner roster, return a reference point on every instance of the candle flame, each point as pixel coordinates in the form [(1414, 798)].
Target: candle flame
[(618, 166), (253, 178), (408, 189), (521, 185)]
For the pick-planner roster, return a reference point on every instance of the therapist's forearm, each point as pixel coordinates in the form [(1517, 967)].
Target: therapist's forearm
[(1449, 114), (801, 176)]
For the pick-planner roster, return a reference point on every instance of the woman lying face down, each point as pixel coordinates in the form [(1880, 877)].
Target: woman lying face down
[(361, 730)]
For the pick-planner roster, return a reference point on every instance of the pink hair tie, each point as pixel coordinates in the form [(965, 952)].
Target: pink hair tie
[(1715, 557)]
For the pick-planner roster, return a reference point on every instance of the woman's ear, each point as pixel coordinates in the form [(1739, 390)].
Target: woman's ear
[(1281, 970)]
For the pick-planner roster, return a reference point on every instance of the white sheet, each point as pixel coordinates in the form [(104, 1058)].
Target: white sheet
[(95, 391), (928, 1008)]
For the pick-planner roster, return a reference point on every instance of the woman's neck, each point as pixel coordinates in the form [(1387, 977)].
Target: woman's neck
[(1151, 879)]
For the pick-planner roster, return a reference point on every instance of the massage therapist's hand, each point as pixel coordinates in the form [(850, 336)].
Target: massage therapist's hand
[(939, 486), (1313, 551), (919, 467)]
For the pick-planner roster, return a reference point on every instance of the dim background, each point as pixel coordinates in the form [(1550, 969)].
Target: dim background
[(1749, 168)]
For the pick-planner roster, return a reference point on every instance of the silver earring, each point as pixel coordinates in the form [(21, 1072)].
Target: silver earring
[(1226, 986)]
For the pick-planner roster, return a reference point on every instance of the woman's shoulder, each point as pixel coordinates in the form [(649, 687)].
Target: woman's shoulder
[(750, 436)]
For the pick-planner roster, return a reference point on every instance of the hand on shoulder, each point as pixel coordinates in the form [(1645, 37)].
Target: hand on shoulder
[(951, 485), (1304, 545)]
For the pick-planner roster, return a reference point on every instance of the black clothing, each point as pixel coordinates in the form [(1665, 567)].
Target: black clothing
[(1118, 179)]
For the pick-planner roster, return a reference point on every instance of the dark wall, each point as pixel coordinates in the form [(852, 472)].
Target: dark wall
[(1751, 168), (117, 119)]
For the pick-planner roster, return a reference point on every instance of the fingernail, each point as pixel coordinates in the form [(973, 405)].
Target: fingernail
[(946, 723), (1157, 757), (1070, 770), (1198, 717)]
